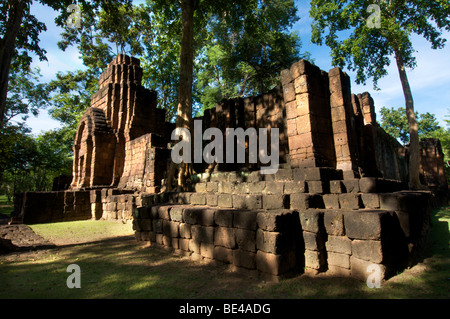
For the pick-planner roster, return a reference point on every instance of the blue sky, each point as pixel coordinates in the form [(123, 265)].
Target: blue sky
[(430, 80)]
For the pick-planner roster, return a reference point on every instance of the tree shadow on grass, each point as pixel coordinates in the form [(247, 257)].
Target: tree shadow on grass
[(122, 268)]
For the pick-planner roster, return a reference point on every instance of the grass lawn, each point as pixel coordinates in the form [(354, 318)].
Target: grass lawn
[(114, 265), (6, 207)]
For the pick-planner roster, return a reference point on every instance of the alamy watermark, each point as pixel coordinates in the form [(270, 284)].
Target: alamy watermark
[(74, 19), (374, 278), (374, 20), (214, 151), (74, 280)]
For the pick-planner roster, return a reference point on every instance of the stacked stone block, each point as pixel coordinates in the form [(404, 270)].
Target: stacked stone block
[(121, 111), (432, 166), (343, 123), (308, 116), (146, 161), (263, 111), (249, 239)]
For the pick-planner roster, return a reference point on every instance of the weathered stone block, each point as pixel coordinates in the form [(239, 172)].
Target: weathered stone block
[(244, 259), (370, 201), (212, 187), (198, 199), (339, 260), (161, 212), (339, 244), (273, 242), (224, 217), (292, 187), (311, 220), (283, 174), (225, 201), (225, 237), (194, 245), (370, 250), (275, 264), (203, 234), (207, 250), (206, 217), (274, 187), (298, 174), (276, 221), (170, 228), (368, 185), (200, 187), (245, 239), (247, 201), (257, 187), (389, 202), (364, 224), (313, 241), (183, 244), (223, 254), (226, 187), (331, 201), (338, 271), (176, 213), (315, 260), (185, 230), (175, 243), (302, 201), (348, 173), (351, 185), (211, 199), (157, 226), (167, 240), (245, 219), (318, 187), (334, 223), (275, 201), (254, 177), (145, 224), (350, 201), (322, 174)]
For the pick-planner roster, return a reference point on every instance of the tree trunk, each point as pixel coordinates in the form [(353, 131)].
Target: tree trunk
[(414, 151), (184, 107), (7, 45)]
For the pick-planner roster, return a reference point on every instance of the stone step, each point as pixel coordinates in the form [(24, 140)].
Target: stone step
[(283, 174), (398, 201), (290, 186)]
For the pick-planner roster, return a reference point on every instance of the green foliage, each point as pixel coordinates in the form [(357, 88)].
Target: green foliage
[(343, 26), (161, 52), (239, 48), (25, 94), (246, 51), (394, 122), (30, 163)]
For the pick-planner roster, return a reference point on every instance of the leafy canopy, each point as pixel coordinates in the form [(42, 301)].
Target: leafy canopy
[(345, 27)]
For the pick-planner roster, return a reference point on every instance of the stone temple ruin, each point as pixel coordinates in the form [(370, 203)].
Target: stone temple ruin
[(338, 203)]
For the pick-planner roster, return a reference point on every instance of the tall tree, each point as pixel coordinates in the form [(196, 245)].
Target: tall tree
[(244, 56), (19, 34), (374, 32), (19, 38)]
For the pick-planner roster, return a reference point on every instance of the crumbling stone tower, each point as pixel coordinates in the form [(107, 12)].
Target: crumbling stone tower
[(121, 111)]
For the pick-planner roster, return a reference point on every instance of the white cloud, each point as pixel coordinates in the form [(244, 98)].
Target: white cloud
[(41, 123)]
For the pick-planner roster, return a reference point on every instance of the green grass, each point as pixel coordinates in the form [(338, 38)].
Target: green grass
[(82, 231), (6, 207), (119, 267)]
